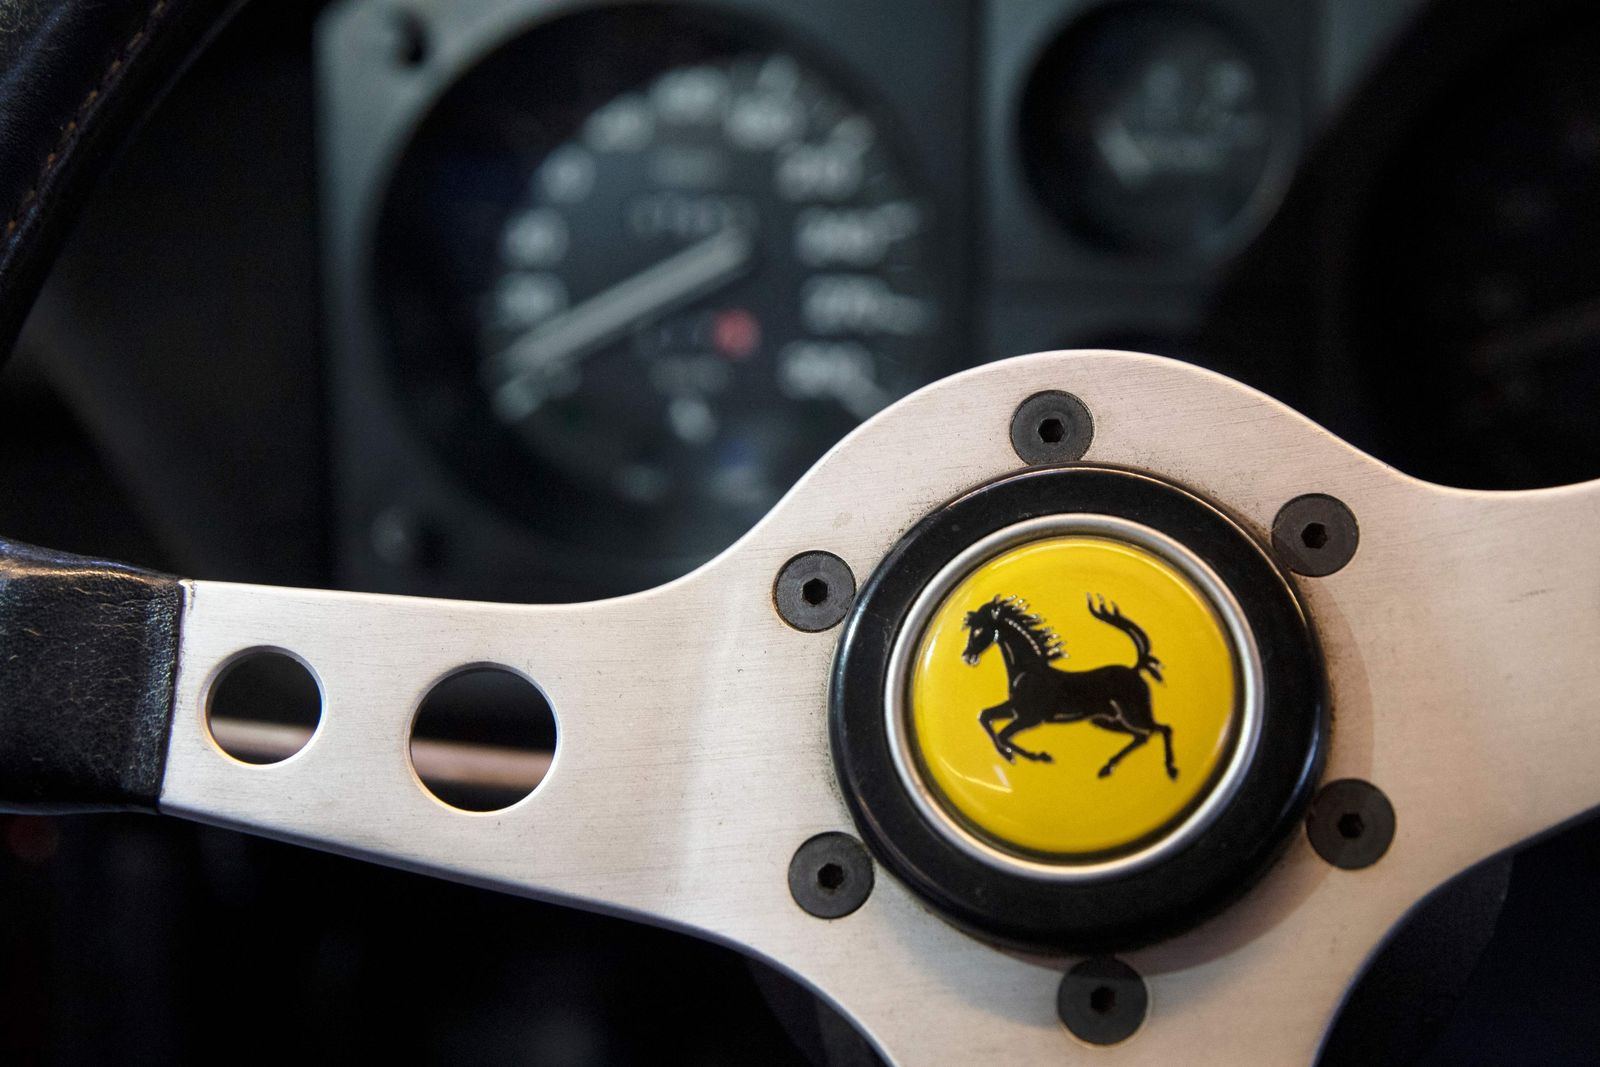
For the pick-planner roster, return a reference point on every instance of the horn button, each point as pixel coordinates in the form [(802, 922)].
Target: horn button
[(1074, 699), (1078, 708)]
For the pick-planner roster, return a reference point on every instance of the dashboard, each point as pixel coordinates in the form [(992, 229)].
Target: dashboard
[(637, 267), (552, 299), (607, 279)]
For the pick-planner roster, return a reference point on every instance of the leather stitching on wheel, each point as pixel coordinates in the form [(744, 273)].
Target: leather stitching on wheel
[(69, 132)]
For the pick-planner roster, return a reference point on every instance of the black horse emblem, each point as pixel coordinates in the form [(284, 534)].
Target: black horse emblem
[(1114, 698)]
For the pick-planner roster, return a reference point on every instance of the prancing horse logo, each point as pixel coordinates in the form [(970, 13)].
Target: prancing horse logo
[(1114, 698)]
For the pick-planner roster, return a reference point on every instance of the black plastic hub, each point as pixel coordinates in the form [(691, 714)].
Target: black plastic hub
[(1119, 911)]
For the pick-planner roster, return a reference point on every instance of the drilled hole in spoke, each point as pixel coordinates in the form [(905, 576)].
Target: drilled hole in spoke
[(483, 739), (264, 706)]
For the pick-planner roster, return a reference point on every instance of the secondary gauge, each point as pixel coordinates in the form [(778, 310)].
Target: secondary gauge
[(642, 266), (1476, 289), (1153, 129)]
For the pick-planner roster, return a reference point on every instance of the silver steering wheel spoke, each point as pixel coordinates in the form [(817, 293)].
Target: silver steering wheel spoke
[(694, 756)]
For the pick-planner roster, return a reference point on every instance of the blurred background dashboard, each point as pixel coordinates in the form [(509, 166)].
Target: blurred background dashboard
[(551, 300)]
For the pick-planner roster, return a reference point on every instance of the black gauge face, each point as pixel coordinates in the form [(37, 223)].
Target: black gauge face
[(1151, 129), (1478, 288), (641, 269)]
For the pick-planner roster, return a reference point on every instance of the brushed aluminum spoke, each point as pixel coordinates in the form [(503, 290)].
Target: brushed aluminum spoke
[(693, 755)]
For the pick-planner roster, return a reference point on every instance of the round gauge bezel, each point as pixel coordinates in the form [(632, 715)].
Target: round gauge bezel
[(583, 519), (1042, 82)]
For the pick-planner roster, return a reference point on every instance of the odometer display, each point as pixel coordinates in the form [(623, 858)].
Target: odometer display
[(636, 316)]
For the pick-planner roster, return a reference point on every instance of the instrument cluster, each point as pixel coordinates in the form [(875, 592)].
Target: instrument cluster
[(668, 289), (607, 278)]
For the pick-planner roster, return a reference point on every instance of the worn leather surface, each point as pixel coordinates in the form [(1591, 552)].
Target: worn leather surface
[(75, 76), (88, 652), (87, 649)]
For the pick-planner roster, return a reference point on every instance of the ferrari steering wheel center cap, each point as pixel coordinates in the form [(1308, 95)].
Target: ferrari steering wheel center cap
[(1077, 708), (1073, 697)]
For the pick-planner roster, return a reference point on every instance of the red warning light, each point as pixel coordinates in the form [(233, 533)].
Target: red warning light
[(735, 333)]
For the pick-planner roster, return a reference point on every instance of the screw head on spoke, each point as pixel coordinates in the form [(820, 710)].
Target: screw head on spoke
[(1315, 535), (814, 591), (830, 875), (1351, 823), (1051, 427), (1102, 1001)]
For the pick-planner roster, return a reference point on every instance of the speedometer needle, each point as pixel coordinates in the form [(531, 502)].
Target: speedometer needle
[(573, 335)]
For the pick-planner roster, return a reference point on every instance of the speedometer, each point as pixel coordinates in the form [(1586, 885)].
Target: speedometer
[(643, 266)]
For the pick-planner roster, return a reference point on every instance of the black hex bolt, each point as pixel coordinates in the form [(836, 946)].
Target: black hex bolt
[(1102, 1001), (1051, 427), (1350, 823), (1315, 535), (813, 591), (830, 875)]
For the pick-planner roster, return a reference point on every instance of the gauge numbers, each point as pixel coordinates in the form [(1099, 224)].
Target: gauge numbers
[(701, 271), (704, 285)]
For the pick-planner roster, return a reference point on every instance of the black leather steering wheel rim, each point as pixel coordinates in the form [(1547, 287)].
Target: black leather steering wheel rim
[(76, 77)]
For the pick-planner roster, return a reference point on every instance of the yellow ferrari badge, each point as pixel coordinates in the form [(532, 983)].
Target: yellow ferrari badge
[(1073, 697)]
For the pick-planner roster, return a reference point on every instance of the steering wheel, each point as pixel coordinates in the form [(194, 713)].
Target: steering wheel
[(1327, 687)]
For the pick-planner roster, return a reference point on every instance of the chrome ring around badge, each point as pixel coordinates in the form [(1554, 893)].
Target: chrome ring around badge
[(1214, 795)]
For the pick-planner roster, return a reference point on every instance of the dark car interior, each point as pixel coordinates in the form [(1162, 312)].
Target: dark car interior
[(551, 300)]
